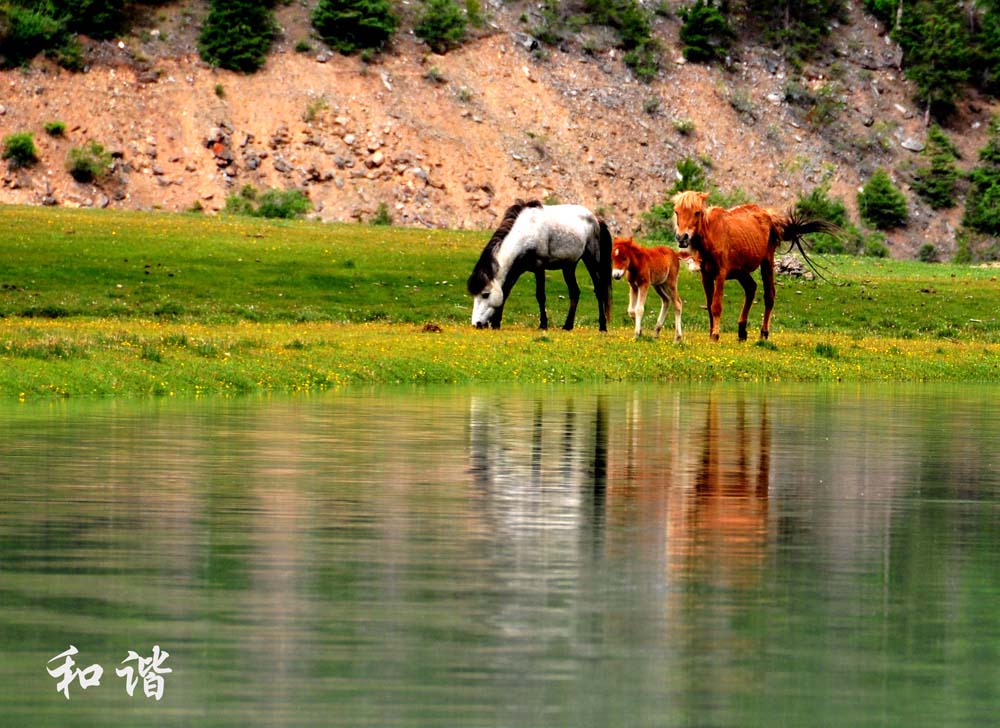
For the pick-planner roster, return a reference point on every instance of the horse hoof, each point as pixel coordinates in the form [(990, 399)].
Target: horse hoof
[(713, 337), (763, 334)]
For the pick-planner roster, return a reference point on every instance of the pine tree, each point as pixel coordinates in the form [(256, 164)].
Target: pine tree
[(442, 25), (987, 48), (880, 204), (982, 205), (349, 26), (936, 182), (706, 33), (237, 34), (936, 54)]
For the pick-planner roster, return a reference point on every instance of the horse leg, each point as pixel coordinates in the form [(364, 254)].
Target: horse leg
[(664, 298), (602, 292), (678, 305), (543, 319), (708, 283), (633, 296), (640, 308), (749, 291), (767, 277), (668, 292), (714, 293), (569, 275)]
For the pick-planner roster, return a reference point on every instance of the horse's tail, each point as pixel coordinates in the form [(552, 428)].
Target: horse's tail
[(793, 226), (606, 244)]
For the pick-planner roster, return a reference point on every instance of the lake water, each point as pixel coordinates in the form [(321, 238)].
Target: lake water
[(622, 556)]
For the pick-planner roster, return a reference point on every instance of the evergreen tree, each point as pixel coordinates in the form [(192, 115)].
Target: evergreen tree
[(881, 204), (706, 34), (982, 205), (96, 18), (442, 25), (349, 26), (936, 55), (936, 182), (237, 34), (987, 48), (798, 26)]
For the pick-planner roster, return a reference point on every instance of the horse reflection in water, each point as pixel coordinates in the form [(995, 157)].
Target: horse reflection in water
[(695, 475), (541, 464), (727, 517)]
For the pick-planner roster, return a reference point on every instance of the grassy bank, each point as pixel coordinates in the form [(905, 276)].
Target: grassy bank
[(115, 303)]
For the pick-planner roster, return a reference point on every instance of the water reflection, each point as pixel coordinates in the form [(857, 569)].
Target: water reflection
[(609, 556)]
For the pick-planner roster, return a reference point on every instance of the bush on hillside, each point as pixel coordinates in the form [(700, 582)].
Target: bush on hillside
[(274, 203), (237, 34), (982, 205), (935, 183), (706, 33), (818, 205), (25, 32), (880, 204), (349, 26), (88, 163), (441, 25), (19, 150)]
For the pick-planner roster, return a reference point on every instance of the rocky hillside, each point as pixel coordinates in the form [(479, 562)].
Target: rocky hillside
[(450, 140)]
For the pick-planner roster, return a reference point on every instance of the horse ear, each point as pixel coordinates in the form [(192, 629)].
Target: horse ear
[(703, 196)]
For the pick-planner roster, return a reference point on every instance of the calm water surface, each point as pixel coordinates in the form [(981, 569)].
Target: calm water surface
[(624, 556)]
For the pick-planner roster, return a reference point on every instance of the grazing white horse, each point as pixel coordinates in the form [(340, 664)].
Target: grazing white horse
[(533, 237)]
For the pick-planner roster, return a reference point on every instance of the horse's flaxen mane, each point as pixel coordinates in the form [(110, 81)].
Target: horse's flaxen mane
[(486, 267)]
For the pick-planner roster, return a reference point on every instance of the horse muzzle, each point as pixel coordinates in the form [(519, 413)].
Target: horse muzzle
[(683, 240), (618, 273)]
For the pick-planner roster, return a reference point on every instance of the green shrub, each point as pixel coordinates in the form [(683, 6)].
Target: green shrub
[(283, 204), (27, 31), (95, 18), (880, 204), (441, 25), (237, 34), (349, 26), (19, 150), (89, 162), (874, 246), (706, 33), (273, 203), (928, 253), (819, 205), (55, 128), (382, 215), (935, 182)]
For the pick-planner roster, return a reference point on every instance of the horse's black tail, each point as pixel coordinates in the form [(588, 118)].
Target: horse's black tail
[(605, 267), (797, 226)]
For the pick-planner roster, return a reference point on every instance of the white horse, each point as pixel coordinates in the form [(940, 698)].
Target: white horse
[(535, 237)]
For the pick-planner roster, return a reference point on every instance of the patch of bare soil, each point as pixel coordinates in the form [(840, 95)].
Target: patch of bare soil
[(451, 140)]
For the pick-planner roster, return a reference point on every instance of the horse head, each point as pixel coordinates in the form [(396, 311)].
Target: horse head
[(689, 213), (486, 304), (620, 256)]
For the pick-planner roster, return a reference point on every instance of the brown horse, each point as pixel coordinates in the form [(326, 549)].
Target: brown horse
[(645, 267), (733, 243)]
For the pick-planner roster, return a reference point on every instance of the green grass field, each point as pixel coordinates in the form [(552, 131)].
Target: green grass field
[(132, 304)]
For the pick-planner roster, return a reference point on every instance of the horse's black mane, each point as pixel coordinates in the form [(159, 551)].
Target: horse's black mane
[(486, 266)]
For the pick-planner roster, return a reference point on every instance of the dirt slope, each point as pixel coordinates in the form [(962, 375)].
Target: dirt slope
[(451, 140)]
